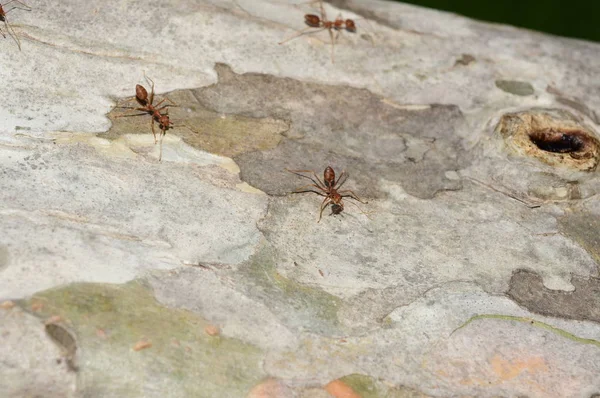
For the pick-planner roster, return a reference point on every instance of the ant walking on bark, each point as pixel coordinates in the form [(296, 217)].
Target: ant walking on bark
[(322, 23), (329, 188), (147, 107), (9, 28)]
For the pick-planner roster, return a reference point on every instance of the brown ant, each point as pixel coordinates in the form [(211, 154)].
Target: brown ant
[(329, 188), (9, 28), (322, 23), (146, 102)]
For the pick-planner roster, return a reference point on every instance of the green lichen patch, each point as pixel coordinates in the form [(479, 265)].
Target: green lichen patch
[(110, 321), (515, 87), (363, 385), (219, 133), (369, 387), (233, 135), (532, 322), (405, 392), (295, 302)]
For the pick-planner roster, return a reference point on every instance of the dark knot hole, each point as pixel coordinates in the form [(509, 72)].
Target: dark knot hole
[(552, 140)]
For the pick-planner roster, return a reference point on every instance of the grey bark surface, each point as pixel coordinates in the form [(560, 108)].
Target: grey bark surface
[(471, 271)]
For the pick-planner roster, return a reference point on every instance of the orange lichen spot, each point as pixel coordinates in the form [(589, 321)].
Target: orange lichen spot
[(7, 305), (142, 345), (269, 388), (53, 319), (101, 333), (339, 389), (212, 330), (37, 306), (507, 369)]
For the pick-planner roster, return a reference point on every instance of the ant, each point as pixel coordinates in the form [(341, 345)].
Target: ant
[(146, 102), (9, 28), (329, 188), (322, 23)]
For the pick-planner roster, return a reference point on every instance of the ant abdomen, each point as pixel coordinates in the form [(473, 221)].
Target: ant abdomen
[(141, 95), (329, 176), (312, 20)]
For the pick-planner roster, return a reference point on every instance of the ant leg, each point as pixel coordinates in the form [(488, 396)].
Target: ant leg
[(130, 107), (361, 210), (133, 107), (153, 132), (137, 114), (15, 7), (300, 33), (318, 179), (163, 100), (324, 204), (308, 190), (350, 194), (338, 183), (333, 40), (16, 1), (137, 109), (9, 28), (124, 102), (12, 33), (303, 189), (151, 99), (163, 133), (322, 186), (323, 14), (332, 45)]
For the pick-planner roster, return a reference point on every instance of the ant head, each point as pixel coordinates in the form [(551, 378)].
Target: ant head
[(164, 122), (141, 95), (337, 208), (350, 26), (312, 20)]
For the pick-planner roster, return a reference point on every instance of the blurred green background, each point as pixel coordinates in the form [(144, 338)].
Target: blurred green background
[(575, 18)]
